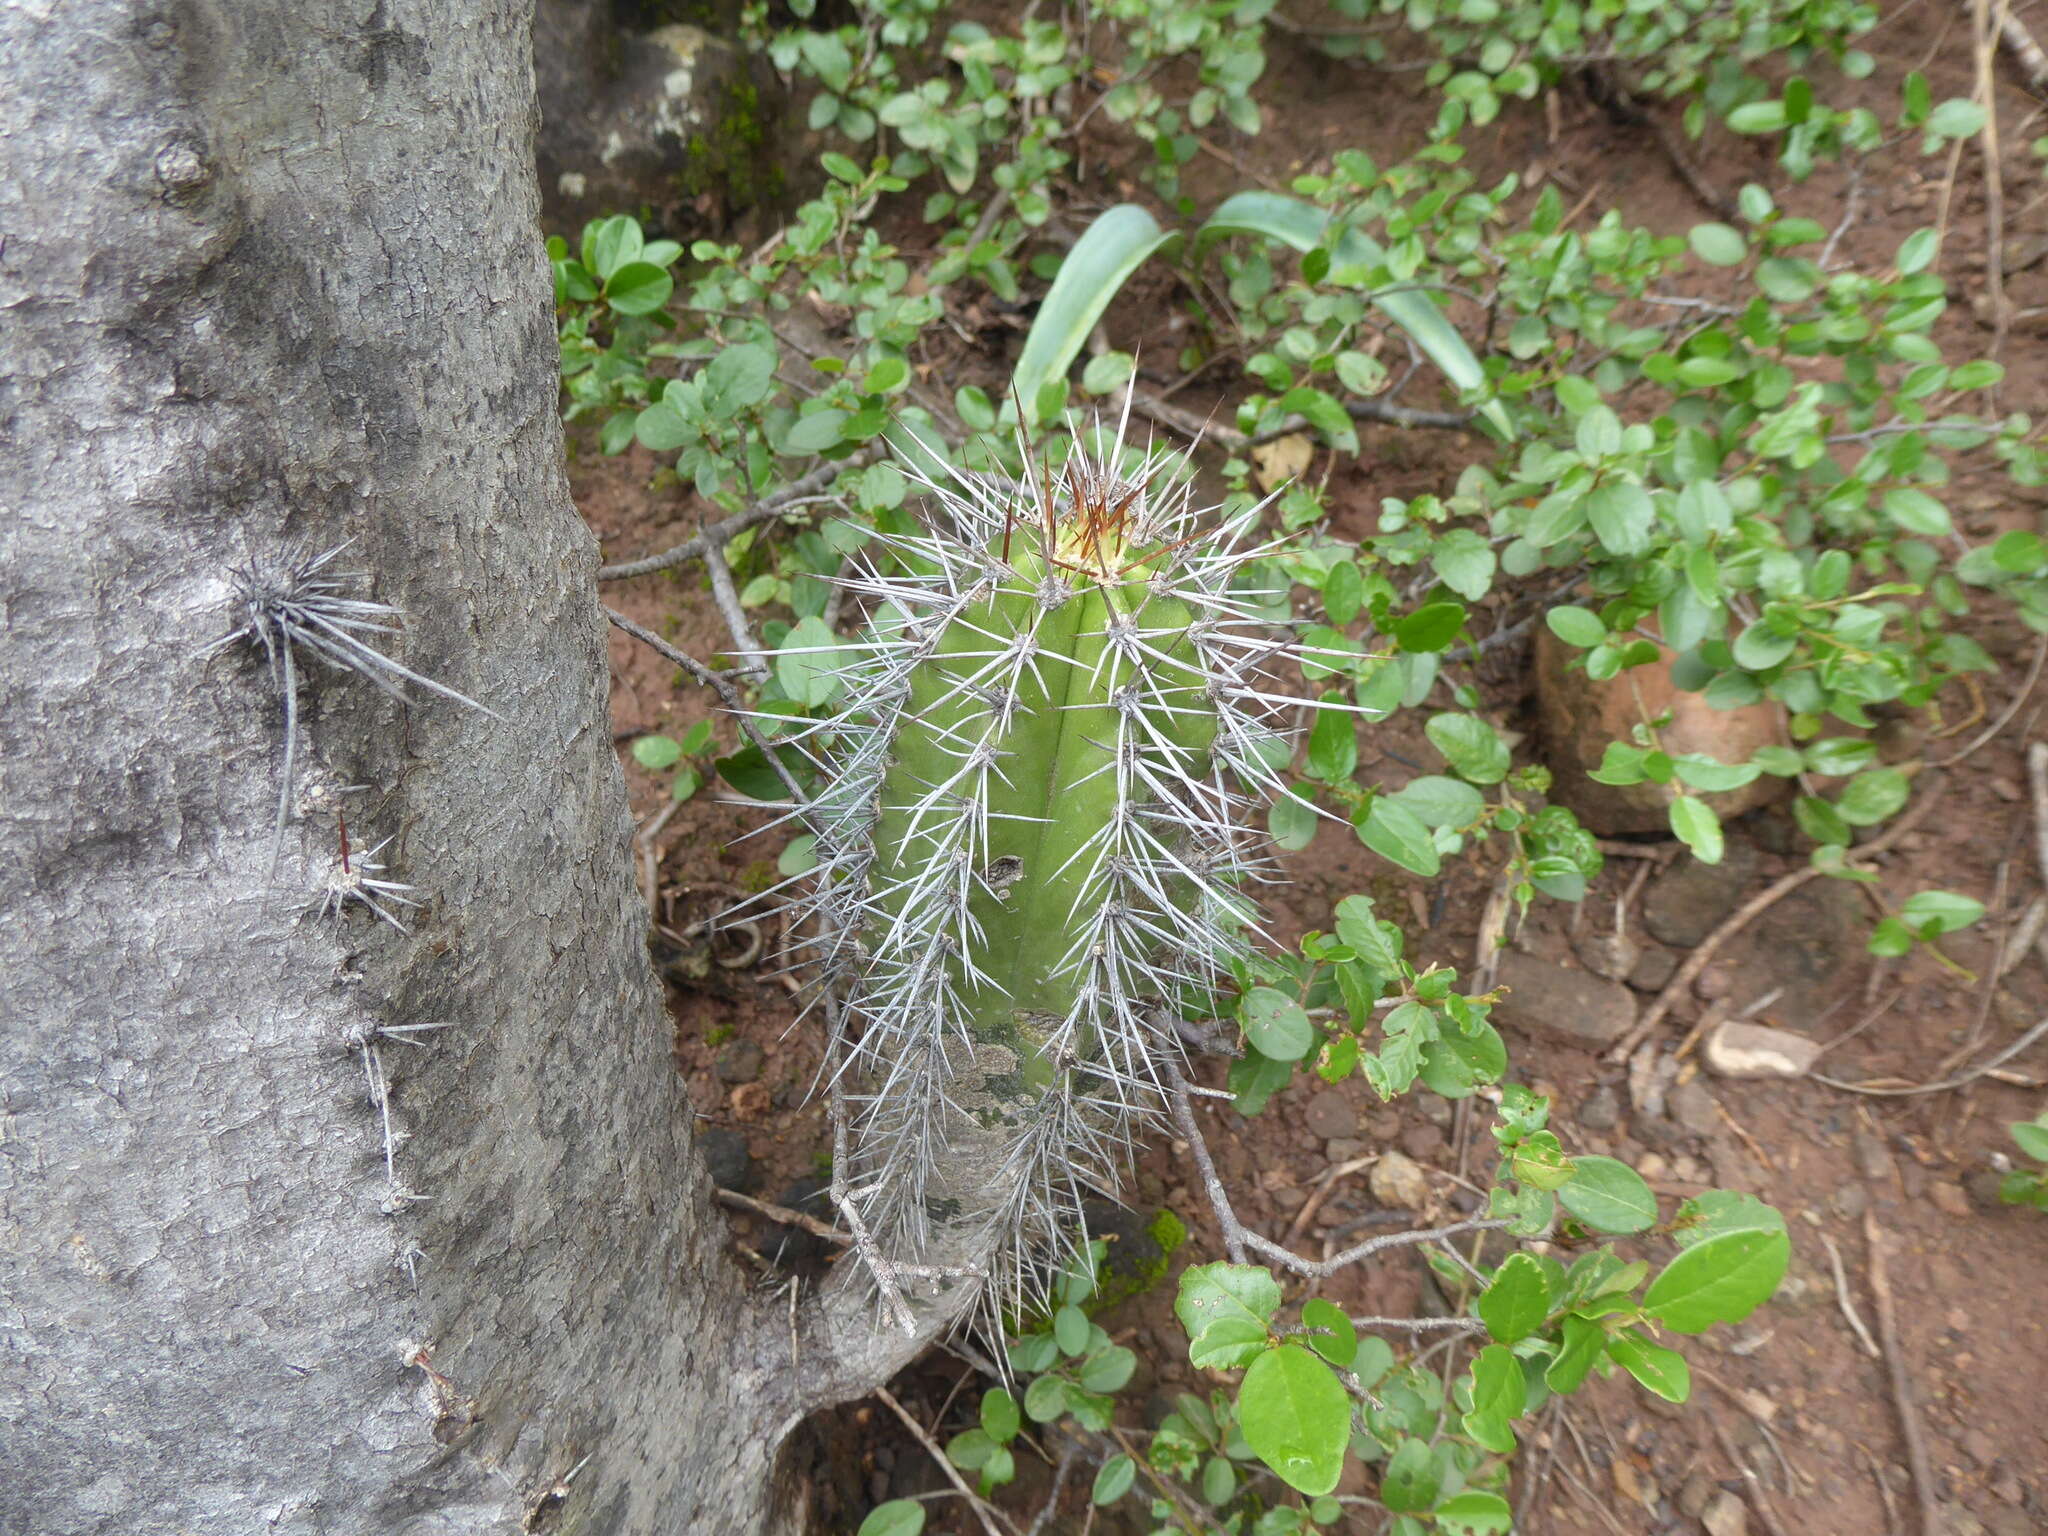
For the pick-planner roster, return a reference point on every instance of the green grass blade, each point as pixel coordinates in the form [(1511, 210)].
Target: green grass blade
[(1270, 216), (1100, 263)]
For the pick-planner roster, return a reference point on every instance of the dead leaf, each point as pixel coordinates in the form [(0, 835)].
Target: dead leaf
[(1283, 459)]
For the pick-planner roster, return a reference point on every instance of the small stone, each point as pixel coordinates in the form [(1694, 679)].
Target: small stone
[(1330, 1114), (1713, 983), (1383, 1125), (1850, 1201), (2007, 790), (1949, 1198), (1982, 1187), (726, 1159), (1399, 1183), (1612, 955), (1873, 1158), (1688, 901), (1571, 1007), (1600, 1110), (1654, 968), (750, 1102), (1656, 1131), (1736, 1049), (739, 1062), (1725, 1515), (1979, 1447), (1424, 1142), (1697, 1493), (1652, 1167), (1693, 1107), (1687, 1169), (1345, 1149), (1912, 1179), (2008, 1487), (1436, 1111)]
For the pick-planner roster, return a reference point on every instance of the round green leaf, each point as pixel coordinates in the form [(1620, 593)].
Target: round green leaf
[(1608, 1196), (1108, 1370), (1470, 746), (898, 1517), (1114, 1480), (1276, 1024), (1394, 832), (1473, 1513), (1296, 1417), (1292, 822), (657, 752), (1518, 1300), (638, 288), (999, 1417), (1721, 1280), (1070, 1329), (1576, 626), (1662, 1370), (1718, 244), (1338, 1342), (1694, 823), (1944, 911)]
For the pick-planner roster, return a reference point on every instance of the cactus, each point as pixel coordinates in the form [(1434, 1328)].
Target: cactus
[(1031, 838)]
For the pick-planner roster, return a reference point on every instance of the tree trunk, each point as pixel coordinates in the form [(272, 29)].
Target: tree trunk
[(272, 282)]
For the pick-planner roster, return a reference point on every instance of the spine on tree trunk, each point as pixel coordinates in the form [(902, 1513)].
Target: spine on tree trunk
[(1032, 837)]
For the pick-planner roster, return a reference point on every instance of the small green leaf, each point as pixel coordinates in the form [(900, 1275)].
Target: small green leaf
[(898, 1517), (1338, 1340), (638, 288), (1046, 1398), (1070, 1329), (1276, 1024), (1583, 1343), (1518, 1300), (1108, 1370), (1473, 1513), (1464, 562), (1209, 1292), (1296, 1417), (1608, 1196), (1114, 1480), (1694, 823), (1662, 1370), (1227, 1344), (1410, 1480), (1396, 833), (1718, 244), (1943, 911), (999, 1416), (806, 667), (1873, 796), (1499, 1393), (1292, 821), (1720, 1280), (1432, 627), (657, 752), (1471, 746), (1576, 626)]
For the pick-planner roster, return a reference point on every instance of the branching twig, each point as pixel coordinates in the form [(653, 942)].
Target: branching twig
[(1842, 1300), (983, 1511), (784, 1215), (1902, 1383), (1741, 918), (717, 535), (1237, 1237)]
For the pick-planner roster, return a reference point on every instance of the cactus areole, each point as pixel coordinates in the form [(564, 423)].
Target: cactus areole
[(1031, 838)]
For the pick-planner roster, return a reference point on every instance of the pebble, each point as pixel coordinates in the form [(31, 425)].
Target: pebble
[(1383, 1125), (1725, 1515), (726, 1159), (1399, 1183), (1424, 1142), (1329, 1114), (1688, 901), (739, 1062), (1693, 1498), (1693, 1107), (1570, 1007), (1612, 955), (1345, 1149), (1736, 1049), (1949, 1198), (1654, 969), (1713, 983), (1600, 1110), (1850, 1201), (1982, 1186), (1873, 1158)]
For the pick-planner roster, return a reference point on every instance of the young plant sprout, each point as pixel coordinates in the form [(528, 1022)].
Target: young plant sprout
[(1032, 832)]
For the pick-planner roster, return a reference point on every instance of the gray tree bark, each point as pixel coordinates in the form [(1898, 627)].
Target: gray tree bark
[(271, 281)]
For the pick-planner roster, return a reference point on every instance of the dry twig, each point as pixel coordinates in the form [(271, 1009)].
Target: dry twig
[(1902, 1383), (1742, 917)]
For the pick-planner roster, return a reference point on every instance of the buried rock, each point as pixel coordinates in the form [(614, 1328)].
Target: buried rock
[(1568, 1006)]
